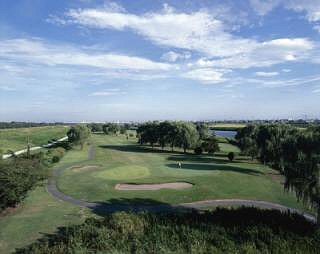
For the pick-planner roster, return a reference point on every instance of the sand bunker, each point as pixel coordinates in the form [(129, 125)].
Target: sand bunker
[(158, 186), (84, 168)]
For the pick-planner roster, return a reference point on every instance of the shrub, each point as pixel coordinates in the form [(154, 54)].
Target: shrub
[(231, 156), (198, 150), (242, 230), (55, 159), (17, 177)]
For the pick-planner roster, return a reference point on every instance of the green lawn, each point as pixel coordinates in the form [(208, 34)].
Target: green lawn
[(122, 161), (16, 139)]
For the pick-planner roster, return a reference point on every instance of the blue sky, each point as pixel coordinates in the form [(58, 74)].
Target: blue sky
[(87, 60)]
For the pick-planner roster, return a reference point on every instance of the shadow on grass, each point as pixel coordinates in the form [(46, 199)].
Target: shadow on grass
[(138, 149), (212, 167), (196, 158), (133, 205)]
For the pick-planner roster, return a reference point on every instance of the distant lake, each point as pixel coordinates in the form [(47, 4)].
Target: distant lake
[(226, 134)]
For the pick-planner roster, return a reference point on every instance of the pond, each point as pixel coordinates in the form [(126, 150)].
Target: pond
[(225, 134)]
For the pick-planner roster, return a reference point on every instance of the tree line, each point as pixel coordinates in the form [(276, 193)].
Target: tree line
[(294, 152), (185, 135)]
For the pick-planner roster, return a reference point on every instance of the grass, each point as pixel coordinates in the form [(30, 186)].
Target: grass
[(40, 214), (215, 177), (121, 160), (16, 139), (227, 126)]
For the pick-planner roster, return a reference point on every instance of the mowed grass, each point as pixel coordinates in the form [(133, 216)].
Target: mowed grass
[(214, 177), (40, 213), (227, 126), (16, 139)]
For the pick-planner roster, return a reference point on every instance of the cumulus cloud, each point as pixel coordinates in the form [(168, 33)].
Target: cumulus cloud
[(197, 31)]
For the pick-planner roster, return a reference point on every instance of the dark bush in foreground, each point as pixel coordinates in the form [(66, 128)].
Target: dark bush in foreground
[(244, 230), (17, 177)]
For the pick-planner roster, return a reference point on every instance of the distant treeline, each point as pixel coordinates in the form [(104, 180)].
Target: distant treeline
[(242, 230), (294, 152), (9, 125)]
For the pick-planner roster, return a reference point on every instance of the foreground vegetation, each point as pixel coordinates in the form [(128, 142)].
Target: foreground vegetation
[(245, 230), (17, 139)]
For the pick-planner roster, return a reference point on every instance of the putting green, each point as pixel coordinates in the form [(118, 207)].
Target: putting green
[(123, 173)]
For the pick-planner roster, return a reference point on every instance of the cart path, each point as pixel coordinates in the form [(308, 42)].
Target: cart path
[(105, 207)]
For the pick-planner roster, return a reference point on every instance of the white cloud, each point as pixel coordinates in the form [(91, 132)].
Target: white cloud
[(286, 70), (266, 74), (172, 56), (276, 83), (262, 7), (316, 90), (265, 54), (317, 28), (197, 31), (206, 75), (311, 8), (40, 52)]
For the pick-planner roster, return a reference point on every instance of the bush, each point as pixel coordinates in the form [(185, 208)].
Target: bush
[(231, 156), (17, 177), (243, 230), (198, 150), (55, 159)]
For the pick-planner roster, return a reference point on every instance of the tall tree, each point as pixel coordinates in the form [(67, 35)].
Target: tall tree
[(187, 135), (78, 134)]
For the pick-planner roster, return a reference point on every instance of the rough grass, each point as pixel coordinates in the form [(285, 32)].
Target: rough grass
[(40, 214), (16, 139), (214, 177)]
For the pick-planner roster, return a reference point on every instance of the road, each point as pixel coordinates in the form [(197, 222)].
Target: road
[(6, 156)]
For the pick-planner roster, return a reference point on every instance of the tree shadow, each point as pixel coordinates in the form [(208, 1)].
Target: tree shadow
[(213, 167), (138, 149), (133, 205), (196, 158)]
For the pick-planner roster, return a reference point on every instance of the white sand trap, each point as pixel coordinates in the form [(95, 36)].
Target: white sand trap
[(156, 186), (84, 168)]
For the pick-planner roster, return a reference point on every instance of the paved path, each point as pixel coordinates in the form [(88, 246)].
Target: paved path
[(111, 207), (6, 156)]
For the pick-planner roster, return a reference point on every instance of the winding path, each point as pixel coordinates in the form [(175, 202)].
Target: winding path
[(113, 207)]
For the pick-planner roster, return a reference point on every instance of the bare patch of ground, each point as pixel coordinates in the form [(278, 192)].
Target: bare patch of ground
[(156, 186)]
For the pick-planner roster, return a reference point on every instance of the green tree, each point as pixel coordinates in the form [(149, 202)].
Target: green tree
[(187, 135), (203, 130), (211, 145), (78, 134)]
